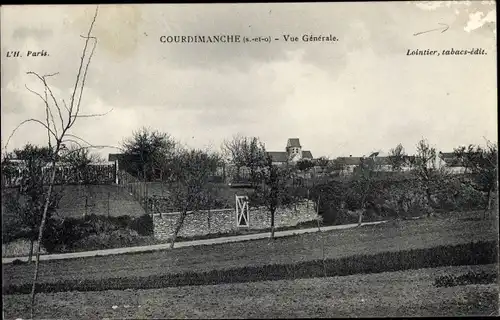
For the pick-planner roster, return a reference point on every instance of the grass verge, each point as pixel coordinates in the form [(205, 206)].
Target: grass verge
[(473, 253)]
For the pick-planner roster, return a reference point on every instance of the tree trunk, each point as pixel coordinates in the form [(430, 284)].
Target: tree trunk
[(363, 200), (178, 228), (272, 222), (86, 203), (40, 235), (208, 218), (429, 201), (360, 220), (30, 257), (488, 207), (224, 173), (317, 212)]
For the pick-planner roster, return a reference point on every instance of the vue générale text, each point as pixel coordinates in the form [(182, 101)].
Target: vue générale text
[(236, 38)]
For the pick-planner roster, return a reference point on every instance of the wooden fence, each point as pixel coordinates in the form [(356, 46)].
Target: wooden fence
[(136, 187)]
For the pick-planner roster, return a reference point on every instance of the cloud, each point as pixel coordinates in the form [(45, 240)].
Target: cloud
[(429, 5), (350, 97), (38, 33), (479, 19)]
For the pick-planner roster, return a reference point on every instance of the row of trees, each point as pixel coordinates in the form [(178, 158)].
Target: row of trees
[(275, 185), (188, 173)]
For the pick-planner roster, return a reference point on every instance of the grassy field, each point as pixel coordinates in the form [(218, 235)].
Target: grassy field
[(398, 294), (453, 229)]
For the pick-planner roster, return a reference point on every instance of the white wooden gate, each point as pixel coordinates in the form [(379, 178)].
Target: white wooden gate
[(242, 211)]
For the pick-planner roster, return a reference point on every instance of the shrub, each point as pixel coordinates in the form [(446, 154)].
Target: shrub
[(107, 240), (143, 225), (19, 248), (395, 196), (469, 198), (67, 234)]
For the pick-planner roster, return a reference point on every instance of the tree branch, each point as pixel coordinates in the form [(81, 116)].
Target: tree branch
[(66, 106), (26, 121), (82, 86), (95, 147), (92, 115), (47, 107), (72, 102), (47, 87), (77, 137)]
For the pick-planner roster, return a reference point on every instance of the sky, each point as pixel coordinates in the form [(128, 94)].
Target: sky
[(355, 96)]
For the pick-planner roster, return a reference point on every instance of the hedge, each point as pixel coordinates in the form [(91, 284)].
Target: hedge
[(473, 253)]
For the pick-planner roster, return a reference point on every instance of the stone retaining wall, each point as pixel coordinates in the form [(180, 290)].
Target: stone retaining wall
[(224, 220)]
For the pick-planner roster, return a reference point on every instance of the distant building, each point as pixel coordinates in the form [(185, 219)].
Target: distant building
[(450, 162), (125, 162), (385, 164), (293, 153), (347, 165)]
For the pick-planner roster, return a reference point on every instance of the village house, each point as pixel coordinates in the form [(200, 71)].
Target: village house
[(347, 165), (450, 162)]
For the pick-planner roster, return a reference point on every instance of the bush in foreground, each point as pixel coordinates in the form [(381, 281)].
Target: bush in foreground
[(464, 254), (19, 248), (95, 232)]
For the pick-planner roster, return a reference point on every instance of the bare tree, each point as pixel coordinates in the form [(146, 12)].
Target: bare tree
[(483, 166), (152, 148), (59, 132), (192, 171), (273, 188), (27, 204), (364, 176), (232, 151), (245, 152), (273, 185), (397, 157), (424, 166)]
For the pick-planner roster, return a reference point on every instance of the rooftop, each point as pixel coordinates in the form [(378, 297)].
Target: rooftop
[(293, 143)]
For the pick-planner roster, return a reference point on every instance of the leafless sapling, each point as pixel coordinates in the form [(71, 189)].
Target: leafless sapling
[(59, 131)]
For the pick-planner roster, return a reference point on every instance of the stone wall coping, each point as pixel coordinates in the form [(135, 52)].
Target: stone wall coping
[(190, 212), (218, 210)]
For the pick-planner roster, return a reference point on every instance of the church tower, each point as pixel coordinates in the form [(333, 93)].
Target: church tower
[(294, 149)]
